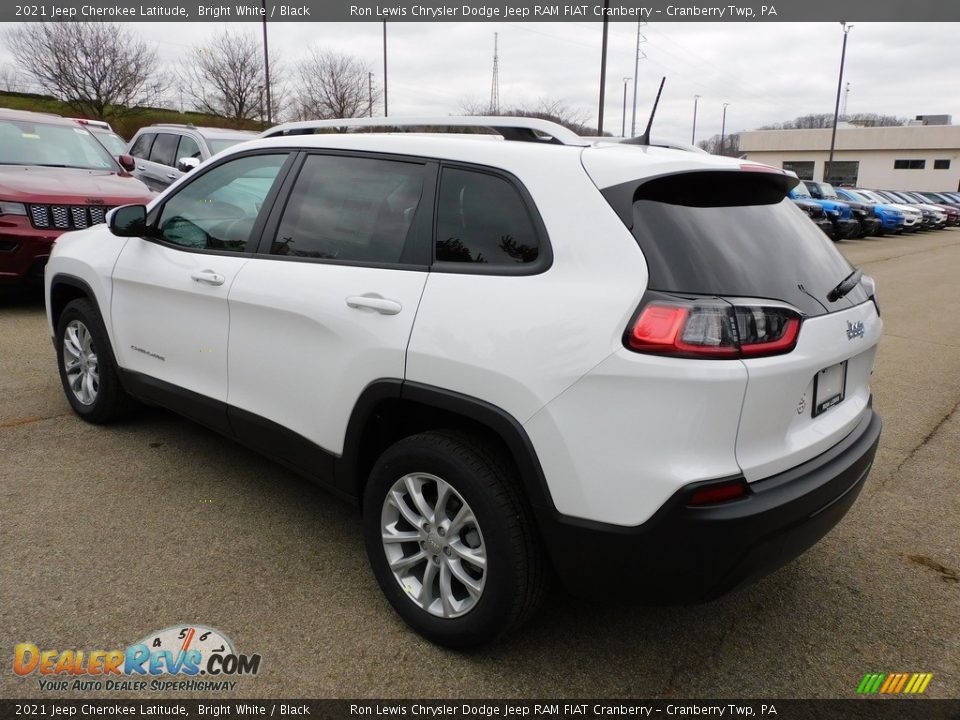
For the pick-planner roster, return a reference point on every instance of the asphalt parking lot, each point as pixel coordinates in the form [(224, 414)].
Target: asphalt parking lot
[(107, 534)]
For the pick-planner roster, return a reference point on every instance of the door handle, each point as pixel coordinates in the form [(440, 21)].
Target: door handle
[(208, 277), (374, 302), (172, 176), (140, 167)]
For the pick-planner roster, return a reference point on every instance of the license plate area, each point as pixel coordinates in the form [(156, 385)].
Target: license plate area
[(829, 387)]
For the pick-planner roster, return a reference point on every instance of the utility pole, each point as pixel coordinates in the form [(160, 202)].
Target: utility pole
[(369, 94), (723, 129), (623, 126), (836, 107), (636, 66), (494, 108), (603, 66), (693, 134), (385, 68), (266, 63)]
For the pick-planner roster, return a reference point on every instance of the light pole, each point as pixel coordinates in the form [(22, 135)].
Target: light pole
[(693, 135), (603, 67), (266, 63), (836, 107), (636, 67), (623, 125), (723, 129), (385, 68)]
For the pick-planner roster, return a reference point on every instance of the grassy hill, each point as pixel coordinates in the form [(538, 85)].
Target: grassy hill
[(129, 121)]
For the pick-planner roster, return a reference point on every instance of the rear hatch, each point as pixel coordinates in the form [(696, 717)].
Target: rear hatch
[(729, 238)]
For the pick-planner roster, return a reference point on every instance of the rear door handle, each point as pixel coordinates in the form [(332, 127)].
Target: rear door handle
[(172, 176), (140, 167), (208, 277), (374, 302)]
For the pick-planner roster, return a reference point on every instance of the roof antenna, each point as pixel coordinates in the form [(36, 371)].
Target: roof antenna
[(645, 138)]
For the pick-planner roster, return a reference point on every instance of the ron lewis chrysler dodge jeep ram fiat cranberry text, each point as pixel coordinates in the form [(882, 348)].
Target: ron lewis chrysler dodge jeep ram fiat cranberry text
[(643, 370)]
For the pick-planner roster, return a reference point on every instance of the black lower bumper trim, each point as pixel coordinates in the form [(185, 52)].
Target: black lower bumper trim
[(691, 554)]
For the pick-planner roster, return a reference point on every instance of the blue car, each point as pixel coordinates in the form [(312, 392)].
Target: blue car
[(845, 225), (891, 219)]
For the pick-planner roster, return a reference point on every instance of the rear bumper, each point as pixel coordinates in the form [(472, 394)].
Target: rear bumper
[(691, 554)]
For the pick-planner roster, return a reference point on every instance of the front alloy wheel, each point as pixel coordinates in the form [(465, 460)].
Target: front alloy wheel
[(87, 369), (80, 363), (433, 545)]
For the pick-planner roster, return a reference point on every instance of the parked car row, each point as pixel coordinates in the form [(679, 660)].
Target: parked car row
[(848, 212), (59, 174)]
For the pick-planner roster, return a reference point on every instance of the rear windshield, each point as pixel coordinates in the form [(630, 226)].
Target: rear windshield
[(735, 234), (221, 144)]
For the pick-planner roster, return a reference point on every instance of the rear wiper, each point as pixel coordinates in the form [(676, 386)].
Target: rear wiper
[(845, 286)]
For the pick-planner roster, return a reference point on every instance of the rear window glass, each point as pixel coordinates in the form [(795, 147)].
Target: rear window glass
[(736, 235), (141, 148), (164, 148), (481, 218)]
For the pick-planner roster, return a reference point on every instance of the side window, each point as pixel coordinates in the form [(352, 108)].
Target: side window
[(218, 209), (164, 148), (481, 218), (349, 208), (188, 148), (141, 148)]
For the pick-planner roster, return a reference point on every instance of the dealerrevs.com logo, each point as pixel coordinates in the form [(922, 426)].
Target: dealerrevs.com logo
[(181, 658)]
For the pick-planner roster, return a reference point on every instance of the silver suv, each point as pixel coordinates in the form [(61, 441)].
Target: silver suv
[(164, 152)]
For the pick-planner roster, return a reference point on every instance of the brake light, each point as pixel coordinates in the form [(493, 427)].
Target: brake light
[(718, 493), (713, 330)]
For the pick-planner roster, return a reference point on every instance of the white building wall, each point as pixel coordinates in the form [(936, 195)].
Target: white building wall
[(875, 149)]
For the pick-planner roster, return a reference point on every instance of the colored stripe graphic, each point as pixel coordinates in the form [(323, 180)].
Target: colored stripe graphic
[(894, 683)]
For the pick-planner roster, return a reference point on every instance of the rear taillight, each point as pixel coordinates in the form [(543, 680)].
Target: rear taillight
[(713, 329)]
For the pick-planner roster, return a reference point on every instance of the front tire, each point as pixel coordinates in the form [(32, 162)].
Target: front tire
[(449, 539), (87, 370)]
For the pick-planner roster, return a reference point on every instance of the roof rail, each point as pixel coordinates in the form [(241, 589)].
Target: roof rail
[(169, 124), (511, 128)]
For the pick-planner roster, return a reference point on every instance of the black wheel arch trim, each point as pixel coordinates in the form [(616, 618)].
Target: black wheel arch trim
[(497, 420)]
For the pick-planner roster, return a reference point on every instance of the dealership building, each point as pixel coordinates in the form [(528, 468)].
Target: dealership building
[(923, 155)]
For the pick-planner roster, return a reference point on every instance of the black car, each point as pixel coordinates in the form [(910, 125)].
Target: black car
[(816, 214), (869, 223)]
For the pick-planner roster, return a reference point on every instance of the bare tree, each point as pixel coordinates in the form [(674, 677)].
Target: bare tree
[(10, 79), (225, 77), (98, 69), (331, 85), (825, 120), (731, 145), (553, 109)]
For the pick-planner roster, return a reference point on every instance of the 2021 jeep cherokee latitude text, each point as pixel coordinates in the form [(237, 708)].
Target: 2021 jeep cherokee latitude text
[(639, 369)]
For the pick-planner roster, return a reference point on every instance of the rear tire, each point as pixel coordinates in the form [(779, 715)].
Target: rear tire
[(450, 540), (88, 372)]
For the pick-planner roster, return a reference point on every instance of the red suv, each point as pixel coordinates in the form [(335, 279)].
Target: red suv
[(54, 177)]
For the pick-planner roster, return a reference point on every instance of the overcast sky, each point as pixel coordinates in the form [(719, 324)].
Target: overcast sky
[(768, 72)]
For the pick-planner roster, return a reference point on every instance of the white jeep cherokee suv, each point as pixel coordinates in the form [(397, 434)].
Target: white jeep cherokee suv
[(640, 369)]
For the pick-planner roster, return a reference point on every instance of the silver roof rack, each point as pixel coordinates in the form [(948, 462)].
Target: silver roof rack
[(511, 128)]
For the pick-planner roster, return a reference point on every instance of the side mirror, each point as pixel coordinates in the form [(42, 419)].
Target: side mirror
[(186, 164), (128, 221), (127, 162)]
